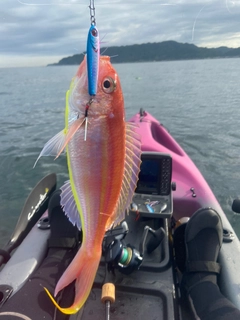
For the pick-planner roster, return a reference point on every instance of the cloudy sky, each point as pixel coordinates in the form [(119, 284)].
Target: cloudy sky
[(38, 32)]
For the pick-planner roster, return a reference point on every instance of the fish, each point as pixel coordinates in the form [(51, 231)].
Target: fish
[(103, 171), (93, 52)]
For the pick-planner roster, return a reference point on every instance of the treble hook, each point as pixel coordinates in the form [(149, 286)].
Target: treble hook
[(92, 13), (86, 117)]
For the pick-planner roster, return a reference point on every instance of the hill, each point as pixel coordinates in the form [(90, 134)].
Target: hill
[(167, 50)]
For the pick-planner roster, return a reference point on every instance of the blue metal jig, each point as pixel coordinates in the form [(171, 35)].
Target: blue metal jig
[(92, 59), (93, 53)]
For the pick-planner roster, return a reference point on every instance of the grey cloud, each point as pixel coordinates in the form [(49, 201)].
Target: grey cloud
[(62, 29)]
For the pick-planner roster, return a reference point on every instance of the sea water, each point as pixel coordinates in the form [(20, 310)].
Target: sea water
[(198, 101)]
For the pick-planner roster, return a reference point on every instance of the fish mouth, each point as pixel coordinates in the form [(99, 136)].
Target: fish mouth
[(98, 104)]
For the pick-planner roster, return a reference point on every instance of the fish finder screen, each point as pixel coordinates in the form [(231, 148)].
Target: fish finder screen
[(148, 182)]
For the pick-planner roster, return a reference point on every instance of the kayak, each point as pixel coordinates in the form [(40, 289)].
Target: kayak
[(142, 258)]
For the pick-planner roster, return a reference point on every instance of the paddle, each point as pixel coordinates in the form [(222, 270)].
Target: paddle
[(34, 207)]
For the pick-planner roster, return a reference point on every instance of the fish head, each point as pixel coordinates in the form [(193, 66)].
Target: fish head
[(108, 100)]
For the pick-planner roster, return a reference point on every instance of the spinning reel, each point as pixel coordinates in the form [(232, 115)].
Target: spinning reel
[(126, 258)]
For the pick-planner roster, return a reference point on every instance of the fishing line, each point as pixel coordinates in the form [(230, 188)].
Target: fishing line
[(195, 21), (102, 53), (15, 314), (92, 13), (227, 6)]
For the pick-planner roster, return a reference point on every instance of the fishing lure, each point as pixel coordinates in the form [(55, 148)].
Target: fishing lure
[(93, 52), (93, 59), (149, 207)]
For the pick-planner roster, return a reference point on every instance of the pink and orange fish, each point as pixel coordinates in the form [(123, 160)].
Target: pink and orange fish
[(103, 170)]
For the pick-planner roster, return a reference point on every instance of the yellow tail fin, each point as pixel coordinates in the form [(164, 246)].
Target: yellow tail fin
[(86, 265)]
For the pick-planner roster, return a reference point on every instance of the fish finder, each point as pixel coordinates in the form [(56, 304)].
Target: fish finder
[(153, 194)]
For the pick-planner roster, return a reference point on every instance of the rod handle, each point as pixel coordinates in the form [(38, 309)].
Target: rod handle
[(108, 292)]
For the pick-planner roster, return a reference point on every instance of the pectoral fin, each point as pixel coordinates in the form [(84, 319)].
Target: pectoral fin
[(56, 145), (53, 146), (72, 130)]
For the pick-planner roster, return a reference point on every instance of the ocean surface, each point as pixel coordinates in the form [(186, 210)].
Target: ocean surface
[(198, 101)]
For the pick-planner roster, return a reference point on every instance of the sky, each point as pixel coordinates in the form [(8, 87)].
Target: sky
[(39, 32)]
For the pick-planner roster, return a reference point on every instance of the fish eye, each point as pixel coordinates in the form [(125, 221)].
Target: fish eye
[(94, 32), (108, 85)]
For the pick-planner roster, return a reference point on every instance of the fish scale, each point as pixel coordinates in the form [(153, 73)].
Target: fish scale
[(103, 171), (88, 177)]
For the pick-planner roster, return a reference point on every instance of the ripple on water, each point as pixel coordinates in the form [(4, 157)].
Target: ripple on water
[(202, 113)]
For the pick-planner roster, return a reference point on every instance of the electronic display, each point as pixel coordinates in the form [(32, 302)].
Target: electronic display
[(155, 174), (148, 177)]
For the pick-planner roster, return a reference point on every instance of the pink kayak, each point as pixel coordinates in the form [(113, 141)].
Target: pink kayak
[(139, 256), (192, 192)]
